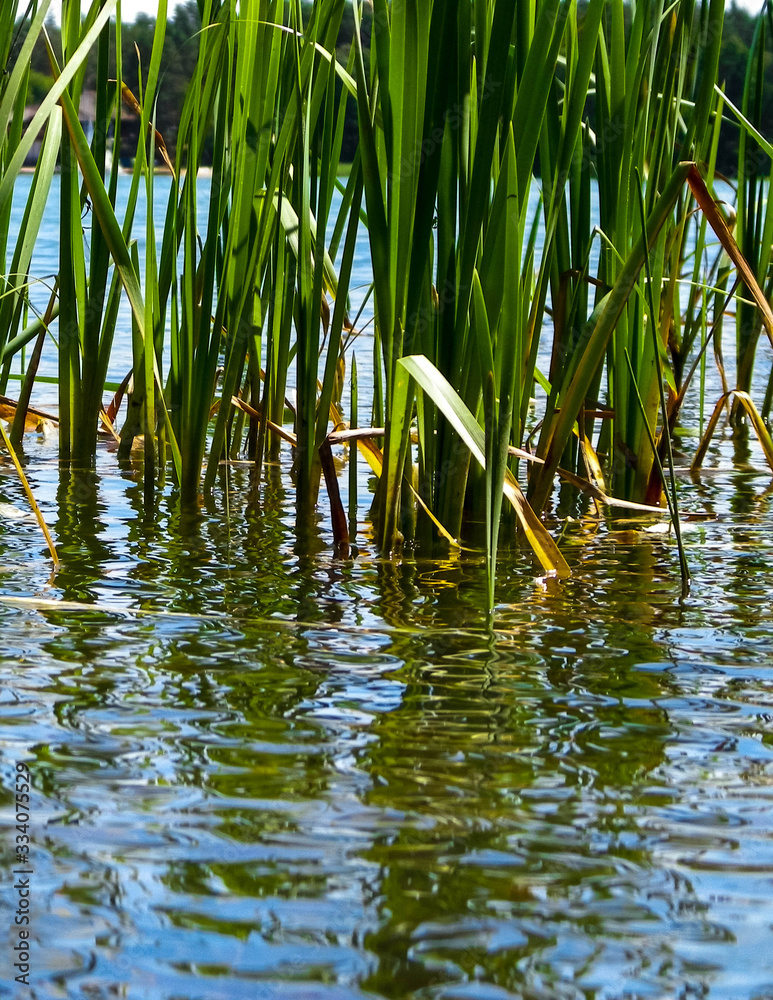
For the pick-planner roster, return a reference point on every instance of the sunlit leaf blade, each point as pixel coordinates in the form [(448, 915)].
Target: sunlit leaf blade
[(30, 496), (446, 399)]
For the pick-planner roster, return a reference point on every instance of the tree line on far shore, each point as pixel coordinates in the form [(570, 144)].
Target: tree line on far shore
[(181, 52)]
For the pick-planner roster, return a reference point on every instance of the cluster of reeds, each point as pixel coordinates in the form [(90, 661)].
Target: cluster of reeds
[(465, 109)]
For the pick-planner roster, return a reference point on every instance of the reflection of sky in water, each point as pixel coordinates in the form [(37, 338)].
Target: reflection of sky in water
[(291, 776)]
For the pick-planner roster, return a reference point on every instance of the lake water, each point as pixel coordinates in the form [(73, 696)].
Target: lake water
[(262, 772)]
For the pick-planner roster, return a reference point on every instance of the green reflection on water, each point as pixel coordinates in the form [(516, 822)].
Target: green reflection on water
[(335, 775)]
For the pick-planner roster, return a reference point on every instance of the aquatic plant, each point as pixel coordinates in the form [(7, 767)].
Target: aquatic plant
[(478, 302)]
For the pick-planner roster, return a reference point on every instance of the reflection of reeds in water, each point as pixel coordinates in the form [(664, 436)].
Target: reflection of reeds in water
[(459, 107)]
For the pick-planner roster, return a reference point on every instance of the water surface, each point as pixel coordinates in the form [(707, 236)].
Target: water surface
[(266, 773)]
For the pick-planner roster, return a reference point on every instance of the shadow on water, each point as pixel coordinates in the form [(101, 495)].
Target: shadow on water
[(262, 771)]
